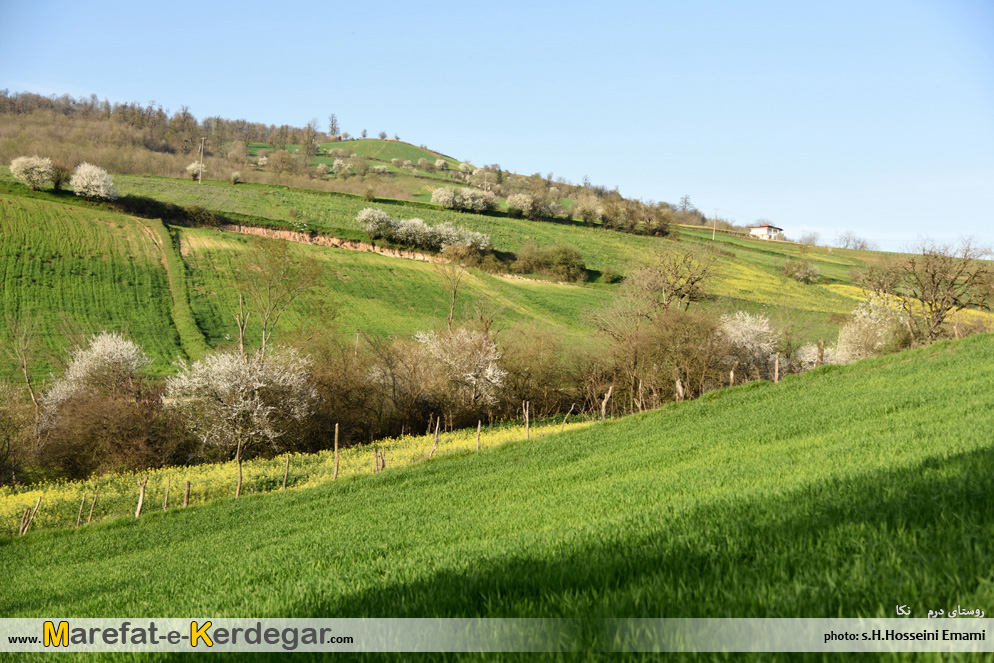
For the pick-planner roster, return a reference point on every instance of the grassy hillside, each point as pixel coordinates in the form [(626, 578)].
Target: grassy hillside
[(186, 308), (95, 270), (835, 493)]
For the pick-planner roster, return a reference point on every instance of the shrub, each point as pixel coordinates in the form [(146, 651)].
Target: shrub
[(61, 172), (875, 328), (563, 262), (441, 164), (33, 172), (376, 223), (379, 170), (90, 181), (196, 169), (519, 204), (417, 234), (236, 177), (752, 337), (445, 196), (803, 271), (110, 364)]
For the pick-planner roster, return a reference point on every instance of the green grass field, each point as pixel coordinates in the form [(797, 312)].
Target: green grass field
[(97, 270), (183, 303), (838, 493)]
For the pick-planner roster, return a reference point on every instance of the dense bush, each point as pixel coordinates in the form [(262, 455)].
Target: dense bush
[(91, 181), (803, 271), (471, 200), (417, 234), (33, 172), (877, 327), (563, 262), (196, 170)]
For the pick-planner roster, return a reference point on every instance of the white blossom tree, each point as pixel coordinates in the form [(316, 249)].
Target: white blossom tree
[(110, 363), (752, 337), (196, 169), (33, 172), (468, 359), (92, 181), (238, 404)]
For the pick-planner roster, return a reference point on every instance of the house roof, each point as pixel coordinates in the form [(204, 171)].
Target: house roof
[(766, 225)]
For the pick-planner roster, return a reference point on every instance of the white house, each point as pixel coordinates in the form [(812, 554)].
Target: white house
[(766, 231)]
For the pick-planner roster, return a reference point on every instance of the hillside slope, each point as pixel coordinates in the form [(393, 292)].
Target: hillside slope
[(187, 305), (835, 493)]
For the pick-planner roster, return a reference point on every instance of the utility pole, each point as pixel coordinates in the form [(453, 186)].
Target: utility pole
[(714, 229), (200, 173)]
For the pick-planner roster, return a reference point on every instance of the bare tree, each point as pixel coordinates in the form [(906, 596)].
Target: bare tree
[(20, 347), (673, 279), (452, 276), (938, 280), (272, 279)]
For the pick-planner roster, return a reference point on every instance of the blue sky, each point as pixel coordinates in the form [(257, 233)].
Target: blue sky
[(874, 117)]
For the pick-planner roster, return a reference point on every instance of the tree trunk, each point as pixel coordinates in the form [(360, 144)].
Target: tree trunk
[(479, 427), (186, 495), (607, 397), (79, 516), (165, 500), (286, 471), (679, 390)]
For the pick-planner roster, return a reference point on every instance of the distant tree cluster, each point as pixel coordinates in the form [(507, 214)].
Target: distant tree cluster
[(465, 199), (417, 234)]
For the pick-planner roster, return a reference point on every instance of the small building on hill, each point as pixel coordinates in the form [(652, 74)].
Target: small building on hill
[(766, 231)]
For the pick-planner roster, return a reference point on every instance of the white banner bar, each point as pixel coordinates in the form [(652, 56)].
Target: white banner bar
[(492, 635)]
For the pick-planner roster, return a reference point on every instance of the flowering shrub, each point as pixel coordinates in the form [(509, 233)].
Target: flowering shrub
[(464, 199), (876, 327), (752, 338), (32, 172), (468, 360), (110, 363), (520, 204), (91, 181), (418, 234), (196, 169)]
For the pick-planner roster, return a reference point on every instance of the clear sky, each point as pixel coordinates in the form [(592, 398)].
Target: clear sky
[(875, 117)]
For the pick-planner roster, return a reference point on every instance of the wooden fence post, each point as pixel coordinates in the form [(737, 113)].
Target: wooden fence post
[(563, 427), (526, 406), (165, 500), (29, 517), (79, 516), (141, 495), (434, 447), (92, 504), (821, 352), (479, 427), (680, 394), (186, 495), (776, 369), (335, 475), (286, 471)]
